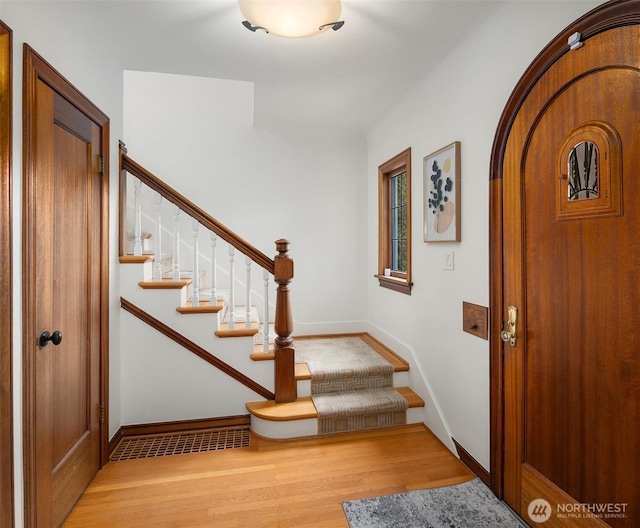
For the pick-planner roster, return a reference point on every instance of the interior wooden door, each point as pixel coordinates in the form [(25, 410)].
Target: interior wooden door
[(65, 280), (571, 199)]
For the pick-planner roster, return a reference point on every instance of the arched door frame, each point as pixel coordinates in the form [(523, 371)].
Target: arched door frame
[(610, 15)]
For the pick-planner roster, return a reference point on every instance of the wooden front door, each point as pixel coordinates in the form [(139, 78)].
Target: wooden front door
[(65, 271), (571, 275)]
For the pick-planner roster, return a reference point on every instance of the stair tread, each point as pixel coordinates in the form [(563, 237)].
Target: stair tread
[(238, 331), (297, 410), (399, 364), (412, 398), (303, 373), (164, 284), (135, 259), (304, 408), (203, 307)]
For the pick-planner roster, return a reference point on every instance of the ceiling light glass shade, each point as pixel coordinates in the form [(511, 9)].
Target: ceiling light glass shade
[(291, 18)]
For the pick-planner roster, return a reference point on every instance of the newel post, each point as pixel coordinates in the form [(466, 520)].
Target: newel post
[(285, 380)]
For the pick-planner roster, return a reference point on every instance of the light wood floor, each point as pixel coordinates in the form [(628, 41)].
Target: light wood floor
[(299, 483)]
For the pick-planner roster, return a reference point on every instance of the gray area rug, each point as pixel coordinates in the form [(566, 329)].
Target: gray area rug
[(468, 505), (351, 385)]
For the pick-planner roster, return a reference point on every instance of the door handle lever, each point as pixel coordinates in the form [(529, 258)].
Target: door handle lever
[(510, 335), (55, 338)]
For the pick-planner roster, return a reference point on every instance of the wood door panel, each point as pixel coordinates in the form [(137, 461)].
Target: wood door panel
[(66, 290), (572, 382), (575, 273), (536, 486), (71, 374)]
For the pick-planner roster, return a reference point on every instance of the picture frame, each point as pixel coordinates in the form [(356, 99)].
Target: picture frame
[(441, 194)]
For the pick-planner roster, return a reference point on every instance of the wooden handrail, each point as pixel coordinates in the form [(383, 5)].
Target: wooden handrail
[(281, 267), (127, 165), (196, 349)]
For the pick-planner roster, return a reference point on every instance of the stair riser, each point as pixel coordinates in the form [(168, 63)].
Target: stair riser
[(290, 429), (134, 273), (285, 429), (400, 379)]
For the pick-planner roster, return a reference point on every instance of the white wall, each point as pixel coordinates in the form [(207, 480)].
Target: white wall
[(52, 29), (460, 100), (262, 183)]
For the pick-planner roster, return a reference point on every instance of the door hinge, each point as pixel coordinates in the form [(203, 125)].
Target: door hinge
[(101, 164), (101, 412)]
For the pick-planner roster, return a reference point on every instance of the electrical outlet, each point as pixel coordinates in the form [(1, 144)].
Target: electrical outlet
[(448, 261)]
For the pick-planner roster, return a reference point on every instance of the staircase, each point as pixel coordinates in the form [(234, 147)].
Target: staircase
[(176, 305), (300, 418)]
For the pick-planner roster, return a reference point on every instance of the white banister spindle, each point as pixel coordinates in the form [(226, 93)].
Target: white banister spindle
[(157, 272), (137, 218), (195, 282), (247, 317), (214, 269), (265, 324), (231, 289), (176, 244)]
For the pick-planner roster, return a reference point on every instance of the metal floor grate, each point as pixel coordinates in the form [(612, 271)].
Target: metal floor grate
[(181, 443)]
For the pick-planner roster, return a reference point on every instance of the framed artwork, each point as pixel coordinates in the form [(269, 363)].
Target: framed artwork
[(441, 200)]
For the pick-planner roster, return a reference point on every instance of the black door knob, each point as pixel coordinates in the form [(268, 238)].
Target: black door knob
[(55, 338)]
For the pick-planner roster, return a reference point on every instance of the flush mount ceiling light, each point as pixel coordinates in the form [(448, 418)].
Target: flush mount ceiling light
[(291, 18)]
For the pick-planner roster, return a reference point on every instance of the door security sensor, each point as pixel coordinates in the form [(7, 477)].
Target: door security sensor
[(574, 41)]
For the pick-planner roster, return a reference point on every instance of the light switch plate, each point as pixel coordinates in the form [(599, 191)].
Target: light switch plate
[(448, 261)]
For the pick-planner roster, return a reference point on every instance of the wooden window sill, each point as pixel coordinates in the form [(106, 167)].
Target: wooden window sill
[(395, 284)]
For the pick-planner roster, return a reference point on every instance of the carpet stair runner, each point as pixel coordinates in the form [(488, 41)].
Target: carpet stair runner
[(351, 388)]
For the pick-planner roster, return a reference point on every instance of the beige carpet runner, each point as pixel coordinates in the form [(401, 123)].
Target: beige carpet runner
[(351, 385)]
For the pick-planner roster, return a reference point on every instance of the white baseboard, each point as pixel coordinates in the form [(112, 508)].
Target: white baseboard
[(433, 416), (330, 327)]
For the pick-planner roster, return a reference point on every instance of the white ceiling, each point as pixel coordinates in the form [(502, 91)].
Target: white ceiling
[(340, 80)]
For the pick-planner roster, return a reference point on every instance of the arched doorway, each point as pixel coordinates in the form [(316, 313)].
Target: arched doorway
[(565, 386)]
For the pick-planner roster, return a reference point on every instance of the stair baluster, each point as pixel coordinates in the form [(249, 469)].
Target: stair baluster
[(247, 322), (214, 268), (232, 288), (157, 270), (176, 244), (195, 284), (137, 222), (265, 324), (281, 267)]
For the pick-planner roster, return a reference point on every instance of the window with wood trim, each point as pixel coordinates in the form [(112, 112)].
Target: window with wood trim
[(394, 223)]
